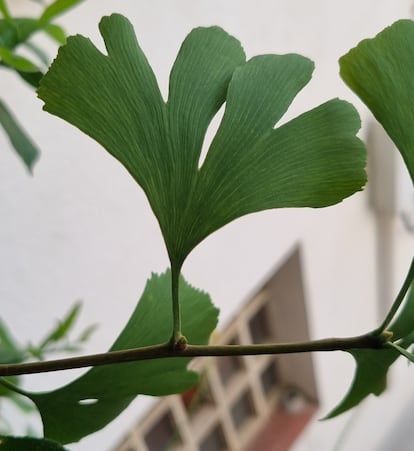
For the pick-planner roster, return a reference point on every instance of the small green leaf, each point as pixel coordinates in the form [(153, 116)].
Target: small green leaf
[(95, 399), (63, 327), (4, 10), (372, 365), (28, 444), (56, 32), (4, 390), (18, 138), (56, 8), (16, 62), (57, 339), (380, 72), (314, 160), (86, 334), (10, 351)]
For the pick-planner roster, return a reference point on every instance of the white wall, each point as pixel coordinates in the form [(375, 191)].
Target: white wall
[(82, 229)]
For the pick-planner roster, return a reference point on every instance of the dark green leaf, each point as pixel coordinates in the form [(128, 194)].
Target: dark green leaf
[(8, 34), (33, 78), (56, 8), (16, 31), (25, 27), (314, 160), (28, 444), (380, 72), (372, 365), (95, 399), (18, 138), (370, 377)]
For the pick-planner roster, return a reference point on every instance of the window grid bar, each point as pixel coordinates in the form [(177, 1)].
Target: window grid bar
[(223, 414)]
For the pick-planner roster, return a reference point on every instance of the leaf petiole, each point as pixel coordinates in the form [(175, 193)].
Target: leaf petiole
[(176, 337), (402, 351), (398, 300)]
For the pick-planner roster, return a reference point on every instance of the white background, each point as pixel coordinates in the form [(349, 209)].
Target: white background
[(82, 229)]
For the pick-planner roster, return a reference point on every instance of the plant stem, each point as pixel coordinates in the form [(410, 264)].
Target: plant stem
[(367, 341), (401, 350), (176, 337), (398, 300)]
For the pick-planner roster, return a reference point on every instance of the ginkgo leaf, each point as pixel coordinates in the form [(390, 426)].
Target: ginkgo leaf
[(96, 398), (372, 365), (380, 72), (27, 443), (315, 160)]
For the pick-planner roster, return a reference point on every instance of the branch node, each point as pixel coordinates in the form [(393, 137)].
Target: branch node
[(180, 344), (386, 336)]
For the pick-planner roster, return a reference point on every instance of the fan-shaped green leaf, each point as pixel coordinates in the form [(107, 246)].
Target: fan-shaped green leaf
[(380, 72), (96, 398), (315, 160)]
